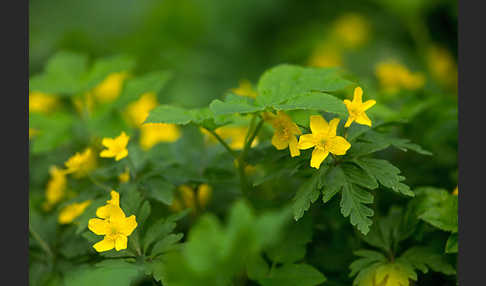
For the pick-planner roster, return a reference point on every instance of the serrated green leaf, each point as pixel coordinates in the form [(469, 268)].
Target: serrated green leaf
[(234, 104), (307, 194), (293, 274), (451, 244), (332, 183), (400, 143), (157, 230), (352, 204), (359, 176), (423, 258), (385, 173), (314, 101), (169, 114), (284, 82), (438, 208), (166, 244)]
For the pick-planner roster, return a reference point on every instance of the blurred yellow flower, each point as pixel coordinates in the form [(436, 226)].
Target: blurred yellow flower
[(323, 139), (357, 108), (56, 187), (442, 65), (325, 57), (72, 211), (138, 111), (189, 198), (235, 135), (113, 225), (110, 88), (125, 176), (42, 102), (351, 30), (394, 76), (153, 133), (285, 132), (456, 191), (80, 164), (244, 89), (117, 147)]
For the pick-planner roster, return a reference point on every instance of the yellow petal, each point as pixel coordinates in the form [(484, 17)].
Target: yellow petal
[(358, 95), (333, 125), (337, 145), (203, 194), (279, 142), (293, 147), (110, 211), (318, 155), (363, 119), (107, 142), (368, 104), (115, 198), (128, 226), (347, 102), (318, 124), (107, 153), (121, 242), (349, 121), (98, 226), (104, 245), (121, 155), (306, 141), (187, 195)]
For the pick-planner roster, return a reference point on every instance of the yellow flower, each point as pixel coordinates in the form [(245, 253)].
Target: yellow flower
[(235, 135), (244, 89), (125, 176), (110, 88), (117, 147), (113, 224), (80, 164), (442, 65), (56, 187), (456, 191), (357, 108), (323, 139), (72, 211), (138, 111), (41, 102), (325, 57), (285, 132), (351, 29), (189, 197), (394, 76), (153, 133)]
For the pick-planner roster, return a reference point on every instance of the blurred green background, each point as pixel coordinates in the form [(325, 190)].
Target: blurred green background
[(209, 46)]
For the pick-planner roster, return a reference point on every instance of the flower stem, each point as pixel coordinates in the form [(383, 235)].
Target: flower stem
[(225, 145), (41, 242), (99, 184)]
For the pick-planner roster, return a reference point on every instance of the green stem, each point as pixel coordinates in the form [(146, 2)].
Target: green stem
[(132, 169), (97, 183), (225, 145), (242, 157), (41, 242)]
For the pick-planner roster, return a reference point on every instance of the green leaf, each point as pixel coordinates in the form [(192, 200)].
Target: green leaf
[(423, 258), (400, 143), (367, 259), (257, 267), (143, 213), (159, 189), (451, 244), (307, 194), (106, 66), (359, 149), (135, 87), (293, 274), (314, 101), (234, 104), (352, 204), (121, 273), (166, 244), (169, 114), (54, 131), (385, 173), (438, 208), (359, 176), (333, 182), (284, 82), (157, 230)]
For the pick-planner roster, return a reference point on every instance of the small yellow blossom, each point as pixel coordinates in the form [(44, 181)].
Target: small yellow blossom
[(117, 147), (189, 197), (244, 89), (110, 88), (56, 187), (80, 164), (33, 132), (456, 191), (325, 57), (113, 224), (351, 29), (153, 133), (125, 176), (442, 65), (235, 135), (72, 211), (357, 108), (285, 131), (138, 111), (394, 76), (323, 139), (41, 102)]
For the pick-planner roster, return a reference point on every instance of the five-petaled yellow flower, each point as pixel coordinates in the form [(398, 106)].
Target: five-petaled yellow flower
[(323, 139), (56, 187), (80, 164), (357, 108), (117, 147), (285, 132), (244, 89), (113, 224), (72, 211)]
